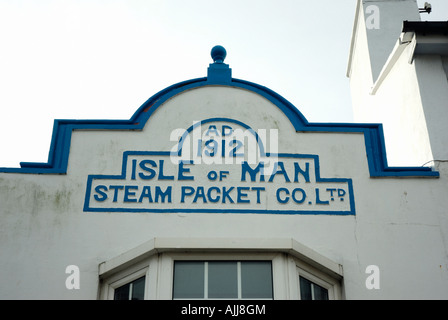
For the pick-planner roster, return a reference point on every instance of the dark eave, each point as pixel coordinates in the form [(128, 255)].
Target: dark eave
[(426, 27)]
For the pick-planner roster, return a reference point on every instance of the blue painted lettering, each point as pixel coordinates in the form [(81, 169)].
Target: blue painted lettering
[(161, 195), (209, 194), (223, 174), (225, 132), (221, 194), (245, 168), (212, 129), (146, 193), (294, 195), (258, 190), (318, 200), (134, 165), (161, 175), (277, 171), (279, 199), (200, 194), (212, 147), (186, 192), (101, 190), (183, 170), (116, 188), (128, 193), (226, 195), (212, 175), (133, 193), (331, 190), (298, 170), (143, 165), (241, 197), (298, 195)]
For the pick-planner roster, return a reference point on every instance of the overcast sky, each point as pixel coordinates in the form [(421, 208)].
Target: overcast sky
[(98, 59)]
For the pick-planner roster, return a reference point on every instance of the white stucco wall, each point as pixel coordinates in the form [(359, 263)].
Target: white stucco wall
[(410, 101), (406, 92), (384, 32), (360, 71), (400, 224), (433, 87), (398, 105)]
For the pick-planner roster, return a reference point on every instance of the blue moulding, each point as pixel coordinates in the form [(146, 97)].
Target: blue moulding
[(219, 73)]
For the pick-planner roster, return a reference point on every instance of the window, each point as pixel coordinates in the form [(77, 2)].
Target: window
[(222, 280), (191, 268), (311, 291), (134, 290), (129, 284), (315, 285)]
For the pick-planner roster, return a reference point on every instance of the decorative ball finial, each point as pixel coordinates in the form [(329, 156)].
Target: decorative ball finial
[(218, 54)]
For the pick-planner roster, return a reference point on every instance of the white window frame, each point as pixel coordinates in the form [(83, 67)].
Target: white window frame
[(155, 259), (318, 277), (108, 286), (239, 281)]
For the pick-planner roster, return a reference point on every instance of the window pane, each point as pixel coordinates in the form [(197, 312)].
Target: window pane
[(122, 293), (256, 279), (305, 289), (222, 279), (320, 293), (188, 279), (138, 289), (311, 291)]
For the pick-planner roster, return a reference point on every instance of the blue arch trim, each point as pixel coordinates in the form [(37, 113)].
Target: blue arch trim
[(218, 74)]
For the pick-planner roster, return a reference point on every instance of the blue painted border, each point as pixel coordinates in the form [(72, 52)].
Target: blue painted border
[(218, 74)]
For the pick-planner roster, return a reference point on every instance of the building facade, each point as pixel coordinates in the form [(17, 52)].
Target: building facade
[(219, 188)]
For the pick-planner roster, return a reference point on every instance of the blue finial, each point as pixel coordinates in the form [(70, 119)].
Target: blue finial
[(219, 72), (218, 54)]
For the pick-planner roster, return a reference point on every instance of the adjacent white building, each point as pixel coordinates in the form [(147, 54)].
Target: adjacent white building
[(398, 77), (219, 188)]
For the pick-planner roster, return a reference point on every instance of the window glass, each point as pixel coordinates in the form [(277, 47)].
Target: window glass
[(256, 279), (122, 293), (311, 291), (138, 289), (320, 293), (222, 279), (305, 289), (134, 290), (188, 279)]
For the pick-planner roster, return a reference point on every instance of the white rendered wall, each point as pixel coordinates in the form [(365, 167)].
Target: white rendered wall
[(398, 105), (384, 24), (360, 71), (411, 99), (433, 87)]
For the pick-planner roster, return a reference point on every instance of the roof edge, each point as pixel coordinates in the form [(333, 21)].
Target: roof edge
[(353, 38)]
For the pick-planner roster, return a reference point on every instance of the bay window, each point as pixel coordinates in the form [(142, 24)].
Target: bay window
[(241, 269)]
